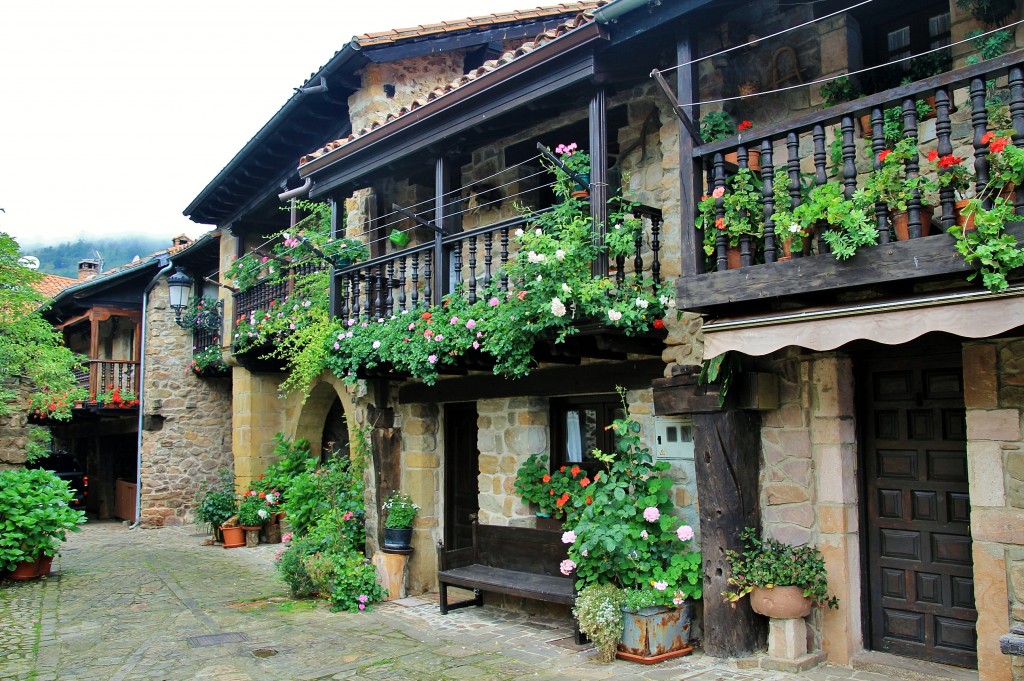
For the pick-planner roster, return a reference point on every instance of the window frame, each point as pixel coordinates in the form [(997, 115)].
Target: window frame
[(606, 406)]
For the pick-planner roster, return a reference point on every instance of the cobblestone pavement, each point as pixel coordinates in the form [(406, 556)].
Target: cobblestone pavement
[(122, 605)]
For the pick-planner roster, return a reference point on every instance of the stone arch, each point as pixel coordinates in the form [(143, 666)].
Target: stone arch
[(313, 412)]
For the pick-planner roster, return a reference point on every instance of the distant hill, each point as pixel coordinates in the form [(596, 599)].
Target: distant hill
[(63, 258)]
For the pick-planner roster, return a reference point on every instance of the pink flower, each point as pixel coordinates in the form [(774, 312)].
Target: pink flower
[(660, 586), (476, 345), (337, 347), (718, 193), (493, 302), (643, 534), (568, 537), (685, 533), (471, 324), (677, 601), (412, 327), (651, 514), (432, 358), (454, 321), (286, 537), (363, 598), (362, 606), (567, 566)]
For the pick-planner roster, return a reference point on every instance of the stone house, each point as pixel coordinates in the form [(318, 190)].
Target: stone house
[(876, 411), (151, 450)]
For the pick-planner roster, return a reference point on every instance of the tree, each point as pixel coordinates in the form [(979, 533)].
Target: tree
[(33, 357)]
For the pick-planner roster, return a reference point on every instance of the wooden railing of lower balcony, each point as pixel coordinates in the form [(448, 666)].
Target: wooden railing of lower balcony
[(260, 296), (760, 275), (470, 261), (120, 373)]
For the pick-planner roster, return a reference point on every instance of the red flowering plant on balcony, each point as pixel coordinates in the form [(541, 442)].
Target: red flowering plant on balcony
[(742, 211), (950, 172), (117, 397)]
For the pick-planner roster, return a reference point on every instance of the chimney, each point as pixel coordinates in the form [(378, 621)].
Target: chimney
[(88, 269), (181, 240)]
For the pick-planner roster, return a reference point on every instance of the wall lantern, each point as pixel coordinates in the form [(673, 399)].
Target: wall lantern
[(179, 286)]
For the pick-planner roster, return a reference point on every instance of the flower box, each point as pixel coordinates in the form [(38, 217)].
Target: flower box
[(651, 635)]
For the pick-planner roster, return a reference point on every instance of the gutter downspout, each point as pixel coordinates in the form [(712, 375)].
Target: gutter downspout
[(297, 192), (142, 389)]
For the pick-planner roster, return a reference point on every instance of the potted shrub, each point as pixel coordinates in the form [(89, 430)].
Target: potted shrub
[(839, 90), (743, 213), (399, 512), (216, 502), (252, 512), (35, 516), (625, 536), (716, 125), (783, 581), (890, 184)]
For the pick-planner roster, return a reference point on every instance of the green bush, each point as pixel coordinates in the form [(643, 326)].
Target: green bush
[(216, 501), (767, 562), (34, 515)]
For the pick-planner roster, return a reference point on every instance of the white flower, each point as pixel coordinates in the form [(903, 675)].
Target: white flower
[(614, 315), (560, 254), (376, 344), (538, 231), (557, 307), (663, 300), (263, 513), (794, 228), (540, 277), (566, 288), (642, 303), (519, 232)]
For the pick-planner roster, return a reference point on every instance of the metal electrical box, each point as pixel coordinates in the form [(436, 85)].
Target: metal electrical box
[(673, 438)]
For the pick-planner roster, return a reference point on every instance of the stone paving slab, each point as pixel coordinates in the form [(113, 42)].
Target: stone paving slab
[(122, 605)]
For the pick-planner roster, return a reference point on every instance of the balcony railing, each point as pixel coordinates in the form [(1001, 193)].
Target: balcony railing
[(260, 296), (103, 373), (471, 261), (761, 276)]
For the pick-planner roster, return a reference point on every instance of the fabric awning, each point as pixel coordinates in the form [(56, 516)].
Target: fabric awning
[(975, 314)]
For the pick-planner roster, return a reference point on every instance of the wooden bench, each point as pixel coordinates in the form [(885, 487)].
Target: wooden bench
[(518, 561)]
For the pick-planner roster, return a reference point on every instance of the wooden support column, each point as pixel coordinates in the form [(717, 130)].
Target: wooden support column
[(727, 457), (441, 183), (690, 181), (599, 174), (336, 283)]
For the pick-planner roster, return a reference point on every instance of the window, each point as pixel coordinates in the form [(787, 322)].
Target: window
[(891, 33), (581, 424)]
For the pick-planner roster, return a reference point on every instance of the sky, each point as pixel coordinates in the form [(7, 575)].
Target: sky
[(115, 114)]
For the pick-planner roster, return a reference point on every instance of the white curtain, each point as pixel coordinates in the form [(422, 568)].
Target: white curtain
[(573, 441)]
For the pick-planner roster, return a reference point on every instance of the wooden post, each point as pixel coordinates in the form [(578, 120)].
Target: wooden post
[(440, 257), (727, 457), (599, 175), (337, 286), (690, 180)]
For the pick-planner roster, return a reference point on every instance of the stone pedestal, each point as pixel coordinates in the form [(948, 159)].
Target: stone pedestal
[(393, 571), (787, 647)]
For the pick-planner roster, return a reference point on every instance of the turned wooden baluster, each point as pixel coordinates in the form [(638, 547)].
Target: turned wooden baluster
[(402, 283), (428, 281), (389, 302), (655, 249), (378, 299), (820, 176), (638, 261), (721, 242), (472, 269), (943, 128), (849, 149), (354, 288), (877, 147), (746, 256), (457, 259), (415, 279), (488, 256), (793, 170), (1016, 83), (915, 226), (504, 258), (768, 201), (979, 121), (343, 291)]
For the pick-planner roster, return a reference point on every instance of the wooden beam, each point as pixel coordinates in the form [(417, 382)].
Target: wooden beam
[(727, 449), (690, 247), (599, 175), (896, 262), (548, 382)]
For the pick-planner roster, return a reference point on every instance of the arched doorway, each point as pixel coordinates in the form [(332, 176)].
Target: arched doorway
[(335, 437)]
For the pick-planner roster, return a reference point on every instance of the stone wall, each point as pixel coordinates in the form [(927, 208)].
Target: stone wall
[(510, 430), (187, 420), (994, 397), (14, 435)]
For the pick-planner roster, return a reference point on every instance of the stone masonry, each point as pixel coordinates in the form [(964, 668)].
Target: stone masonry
[(13, 437), (186, 437)]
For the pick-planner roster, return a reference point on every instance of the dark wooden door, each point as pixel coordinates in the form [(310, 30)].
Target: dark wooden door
[(461, 473), (919, 565)]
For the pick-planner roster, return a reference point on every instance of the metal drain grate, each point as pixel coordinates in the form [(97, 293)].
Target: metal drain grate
[(216, 639)]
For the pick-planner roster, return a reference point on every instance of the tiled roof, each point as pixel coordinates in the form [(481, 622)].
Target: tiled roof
[(487, 67), (483, 21), (52, 284)]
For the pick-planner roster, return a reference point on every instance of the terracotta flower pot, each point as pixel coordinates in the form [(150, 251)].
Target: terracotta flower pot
[(901, 223), (26, 569), (780, 602), (45, 564), (966, 222), (753, 159), (733, 258), (234, 537)]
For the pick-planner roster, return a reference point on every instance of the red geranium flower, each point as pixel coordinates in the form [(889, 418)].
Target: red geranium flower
[(546, 478), (590, 500), (883, 154), (562, 469), (987, 137), (263, 495), (551, 492), (659, 324), (998, 144), (949, 160), (744, 125), (584, 482), (720, 223), (575, 470), (933, 155), (425, 315), (562, 500)]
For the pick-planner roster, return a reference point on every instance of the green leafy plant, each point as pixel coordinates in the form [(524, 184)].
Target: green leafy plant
[(988, 12), (533, 482), (626, 532), (292, 459), (891, 184), (892, 121), (560, 493), (202, 314), (716, 125), (743, 212), (216, 501), (768, 563), (115, 396), (988, 246), (847, 220), (208, 362), (838, 91), (34, 515), (598, 610), (252, 510), (399, 511), (622, 236)]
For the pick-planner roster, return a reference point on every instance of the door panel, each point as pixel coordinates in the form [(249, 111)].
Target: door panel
[(920, 573)]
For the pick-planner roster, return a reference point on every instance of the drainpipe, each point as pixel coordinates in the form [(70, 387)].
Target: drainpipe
[(617, 8), (142, 389), (297, 192)]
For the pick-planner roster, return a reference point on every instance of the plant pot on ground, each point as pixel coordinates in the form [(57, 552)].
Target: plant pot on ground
[(234, 536), (216, 501), (35, 516), (652, 630)]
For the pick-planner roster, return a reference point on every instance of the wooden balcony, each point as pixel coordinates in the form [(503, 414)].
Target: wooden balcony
[(891, 267)]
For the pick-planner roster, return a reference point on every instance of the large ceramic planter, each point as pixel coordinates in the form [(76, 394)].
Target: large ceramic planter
[(651, 635), (397, 539), (780, 602), (234, 537)]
